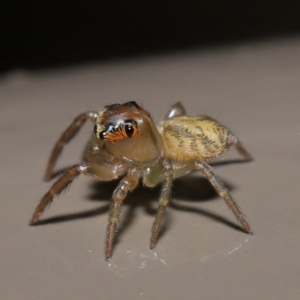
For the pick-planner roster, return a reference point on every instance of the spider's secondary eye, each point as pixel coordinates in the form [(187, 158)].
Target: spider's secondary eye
[(98, 131), (130, 128)]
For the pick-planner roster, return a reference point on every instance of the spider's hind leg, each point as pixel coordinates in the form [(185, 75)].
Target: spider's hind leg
[(224, 193), (234, 141), (176, 110), (242, 150)]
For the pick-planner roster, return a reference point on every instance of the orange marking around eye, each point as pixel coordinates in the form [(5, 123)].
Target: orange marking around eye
[(114, 136), (120, 134), (135, 131)]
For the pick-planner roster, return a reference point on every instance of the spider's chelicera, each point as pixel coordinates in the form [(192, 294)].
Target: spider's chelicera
[(127, 144)]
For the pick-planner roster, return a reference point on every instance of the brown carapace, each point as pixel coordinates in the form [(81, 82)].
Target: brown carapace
[(127, 144)]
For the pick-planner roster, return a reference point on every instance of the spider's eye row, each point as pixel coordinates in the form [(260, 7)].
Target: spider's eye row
[(126, 129)]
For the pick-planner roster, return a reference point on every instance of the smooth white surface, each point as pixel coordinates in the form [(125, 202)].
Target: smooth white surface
[(253, 89)]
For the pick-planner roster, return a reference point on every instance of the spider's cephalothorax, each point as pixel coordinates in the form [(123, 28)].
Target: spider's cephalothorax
[(128, 131), (127, 144)]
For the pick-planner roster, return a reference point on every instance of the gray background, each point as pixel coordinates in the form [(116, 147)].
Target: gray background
[(251, 87)]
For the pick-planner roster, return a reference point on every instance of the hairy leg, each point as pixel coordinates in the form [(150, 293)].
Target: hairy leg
[(100, 171), (61, 184), (163, 201), (242, 150), (224, 193), (128, 183), (67, 135)]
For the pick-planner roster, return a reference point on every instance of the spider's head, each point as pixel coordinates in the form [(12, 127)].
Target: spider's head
[(118, 122), (127, 131)]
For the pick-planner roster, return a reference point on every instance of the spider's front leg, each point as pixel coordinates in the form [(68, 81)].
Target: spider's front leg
[(128, 183), (97, 168), (67, 135), (163, 201), (61, 184), (224, 193)]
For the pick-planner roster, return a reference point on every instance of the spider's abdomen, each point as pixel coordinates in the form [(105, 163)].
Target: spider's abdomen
[(194, 138)]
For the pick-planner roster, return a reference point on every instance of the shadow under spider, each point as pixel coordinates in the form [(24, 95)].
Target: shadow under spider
[(59, 172), (187, 188)]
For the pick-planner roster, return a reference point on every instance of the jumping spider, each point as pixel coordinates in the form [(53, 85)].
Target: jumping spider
[(127, 144)]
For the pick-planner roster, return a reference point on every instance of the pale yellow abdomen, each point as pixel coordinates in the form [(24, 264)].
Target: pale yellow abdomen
[(194, 138)]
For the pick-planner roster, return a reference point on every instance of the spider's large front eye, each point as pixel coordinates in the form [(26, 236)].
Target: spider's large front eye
[(130, 128), (112, 133)]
